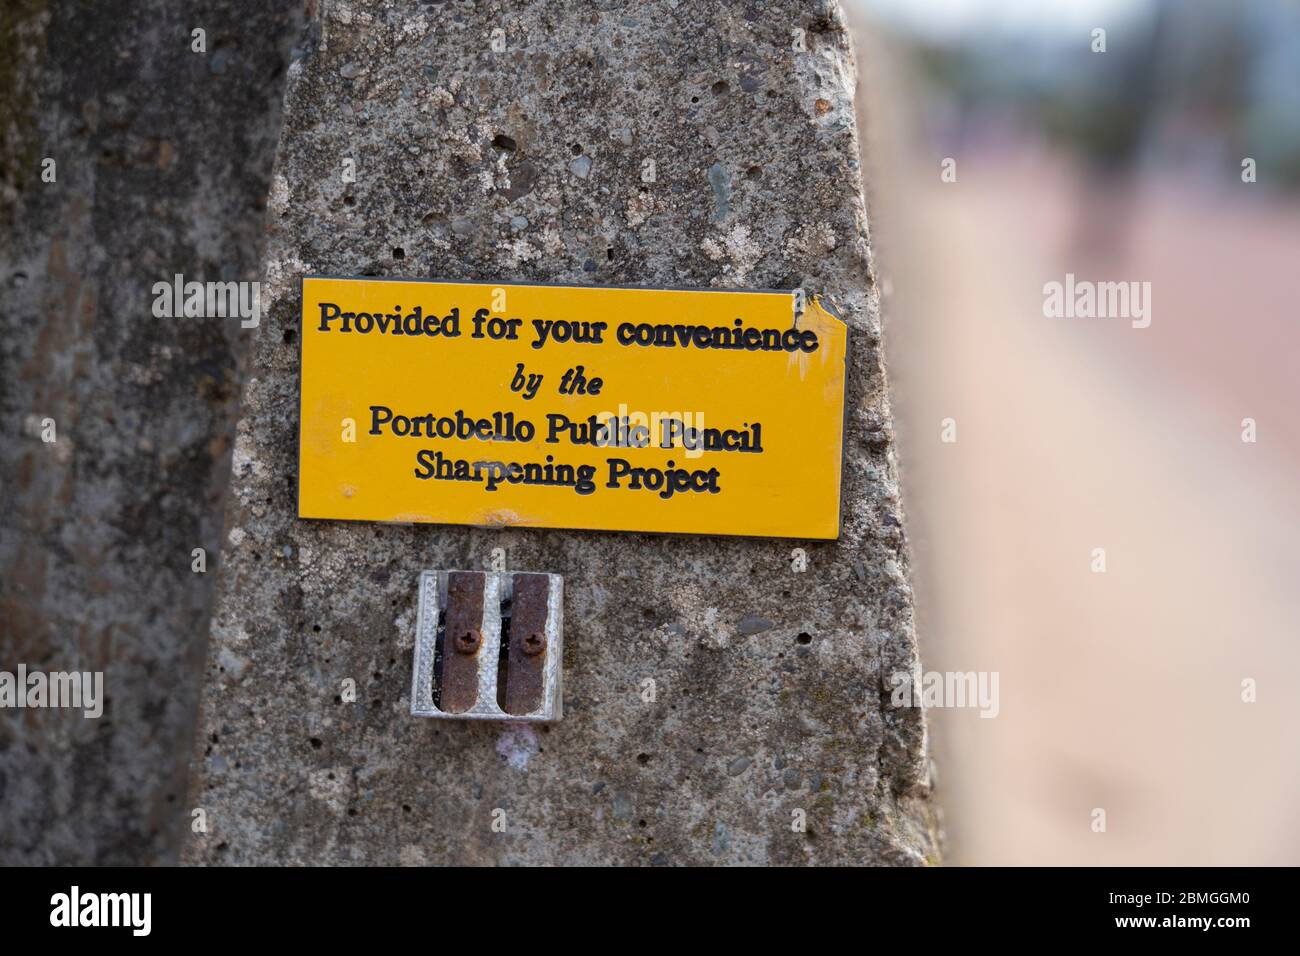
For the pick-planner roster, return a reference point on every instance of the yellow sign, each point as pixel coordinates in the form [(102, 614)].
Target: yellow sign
[(700, 412)]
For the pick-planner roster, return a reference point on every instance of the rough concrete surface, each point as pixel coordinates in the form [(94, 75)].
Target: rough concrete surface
[(163, 160), (770, 684)]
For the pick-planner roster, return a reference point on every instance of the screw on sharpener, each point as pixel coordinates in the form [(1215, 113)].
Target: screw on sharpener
[(488, 646)]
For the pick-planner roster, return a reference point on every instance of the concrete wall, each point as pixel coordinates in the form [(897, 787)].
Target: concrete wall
[(524, 164), (163, 167), (163, 161)]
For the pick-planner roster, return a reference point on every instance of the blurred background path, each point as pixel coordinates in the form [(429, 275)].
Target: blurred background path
[(1120, 690)]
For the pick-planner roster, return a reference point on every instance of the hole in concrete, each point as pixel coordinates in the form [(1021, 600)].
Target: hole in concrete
[(399, 252), (720, 88), (502, 141), (804, 638)]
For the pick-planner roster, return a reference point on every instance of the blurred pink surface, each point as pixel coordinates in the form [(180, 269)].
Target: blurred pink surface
[(1120, 690)]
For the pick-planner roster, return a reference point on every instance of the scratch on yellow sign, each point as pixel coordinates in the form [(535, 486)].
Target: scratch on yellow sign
[(702, 412)]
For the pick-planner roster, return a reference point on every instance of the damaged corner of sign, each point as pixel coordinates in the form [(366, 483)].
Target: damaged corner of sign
[(488, 646), (826, 304)]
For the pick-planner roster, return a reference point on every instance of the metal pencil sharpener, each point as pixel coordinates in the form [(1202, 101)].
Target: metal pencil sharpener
[(488, 646)]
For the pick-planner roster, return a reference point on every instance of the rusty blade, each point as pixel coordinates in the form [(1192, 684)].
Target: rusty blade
[(462, 640), (525, 674)]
